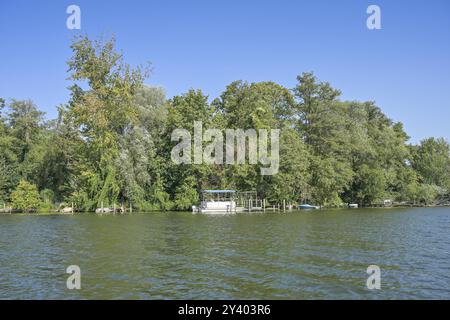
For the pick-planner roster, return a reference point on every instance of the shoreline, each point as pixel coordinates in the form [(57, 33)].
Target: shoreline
[(159, 211)]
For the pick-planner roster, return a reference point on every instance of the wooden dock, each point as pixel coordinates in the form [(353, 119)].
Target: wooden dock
[(251, 202)]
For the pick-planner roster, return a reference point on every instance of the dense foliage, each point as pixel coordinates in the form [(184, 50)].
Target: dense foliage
[(111, 143), (25, 197)]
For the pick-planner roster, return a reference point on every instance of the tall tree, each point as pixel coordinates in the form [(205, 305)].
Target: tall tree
[(103, 112), (431, 159), (323, 127)]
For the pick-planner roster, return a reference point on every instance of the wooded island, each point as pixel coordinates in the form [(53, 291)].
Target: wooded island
[(111, 144)]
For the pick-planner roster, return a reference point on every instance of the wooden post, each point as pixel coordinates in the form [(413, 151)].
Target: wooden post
[(114, 208), (284, 205), (101, 210), (131, 208), (72, 209), (264, 205)]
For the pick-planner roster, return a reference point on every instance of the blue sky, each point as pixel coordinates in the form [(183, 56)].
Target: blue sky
[(404, 67)]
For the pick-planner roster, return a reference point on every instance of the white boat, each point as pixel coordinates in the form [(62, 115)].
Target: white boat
[(308, 207), (217, 202)]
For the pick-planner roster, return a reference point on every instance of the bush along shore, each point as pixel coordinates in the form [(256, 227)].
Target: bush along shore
[(110, 146)]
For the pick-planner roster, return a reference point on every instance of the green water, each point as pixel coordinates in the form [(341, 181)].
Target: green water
[(297, 255)]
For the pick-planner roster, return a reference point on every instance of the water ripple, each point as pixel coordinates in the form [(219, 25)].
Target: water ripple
[(298, 255)]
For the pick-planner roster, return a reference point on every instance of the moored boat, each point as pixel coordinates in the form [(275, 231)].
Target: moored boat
[(308, 207), (217, 202)]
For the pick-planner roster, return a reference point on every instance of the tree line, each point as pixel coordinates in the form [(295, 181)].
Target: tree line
[(111, 143)]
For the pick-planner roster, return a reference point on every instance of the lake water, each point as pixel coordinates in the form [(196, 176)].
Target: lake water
[(294, 255)]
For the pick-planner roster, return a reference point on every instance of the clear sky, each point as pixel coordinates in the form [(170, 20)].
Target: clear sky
[(404, 67)]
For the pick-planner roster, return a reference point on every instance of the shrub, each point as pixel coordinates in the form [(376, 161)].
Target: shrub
[(25, 197)]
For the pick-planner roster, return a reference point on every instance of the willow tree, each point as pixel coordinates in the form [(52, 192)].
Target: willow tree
[(102, 107), (141, 164)]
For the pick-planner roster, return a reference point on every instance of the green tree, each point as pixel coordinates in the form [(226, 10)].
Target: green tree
[(186, 194), (322, 124), (139, 160), (103, 113), (431, 159), (370, 185), (112, 143), (292, 181), (25, 122), (428, 193), (183, 111), (25, 197), (9, 161), (8, 179)]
